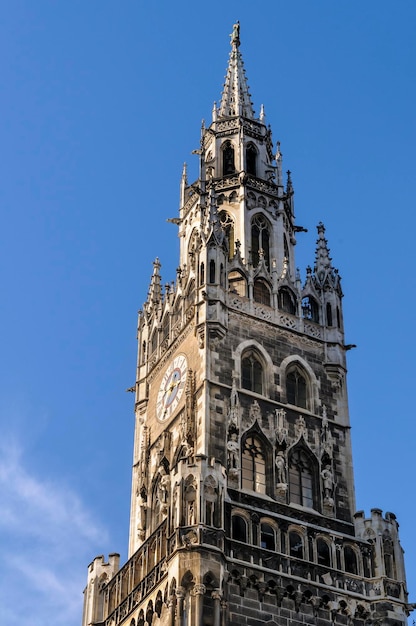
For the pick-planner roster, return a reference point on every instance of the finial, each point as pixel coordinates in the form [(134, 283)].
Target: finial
[(214, 112), (262, 113), (235, 35)]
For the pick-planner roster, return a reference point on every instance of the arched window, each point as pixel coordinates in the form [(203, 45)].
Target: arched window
[(261, 292), (323, 553), (253, 465), (350, 560), (260, 240), (237, 283), (338, 318), (310, 309), (212, 271), (228, 166), (267, 537), (154, 341), (295, 544), (328, 314), (239, 528), (190, 298), (301, 483), (251, 373), (251, 160), (388, 554), (165, 326), (202, 274), (227, 224), (286, 301), (296, 388)]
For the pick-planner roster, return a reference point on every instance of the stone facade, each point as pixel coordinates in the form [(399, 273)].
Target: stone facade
[(243, 506)]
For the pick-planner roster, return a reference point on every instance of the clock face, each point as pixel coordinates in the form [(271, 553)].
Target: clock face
[(171, 387)]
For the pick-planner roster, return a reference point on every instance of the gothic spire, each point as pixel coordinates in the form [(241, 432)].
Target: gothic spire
[(322, 258), (325, 275), (155, 292), (235, 98)]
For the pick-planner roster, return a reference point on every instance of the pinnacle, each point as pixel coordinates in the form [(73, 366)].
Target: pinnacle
[(235, 100)]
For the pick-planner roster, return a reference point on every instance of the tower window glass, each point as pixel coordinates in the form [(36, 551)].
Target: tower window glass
[(261, 292), (300, 479), (286, 301), (296, 388), (252, 374), (253, 465)]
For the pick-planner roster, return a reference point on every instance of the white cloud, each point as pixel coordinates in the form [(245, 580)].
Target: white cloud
[(47, 536)]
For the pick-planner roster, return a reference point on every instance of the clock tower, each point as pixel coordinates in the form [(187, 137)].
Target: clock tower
[(243, 507)]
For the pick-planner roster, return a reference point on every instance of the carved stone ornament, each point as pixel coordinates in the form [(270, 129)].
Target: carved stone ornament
[(281, 428), (300, 428)]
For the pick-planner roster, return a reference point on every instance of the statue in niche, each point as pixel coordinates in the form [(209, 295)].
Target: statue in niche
[(328, 483), (280, 469), (233, 449)]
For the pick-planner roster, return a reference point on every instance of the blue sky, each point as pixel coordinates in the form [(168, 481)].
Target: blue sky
[(101, 103)]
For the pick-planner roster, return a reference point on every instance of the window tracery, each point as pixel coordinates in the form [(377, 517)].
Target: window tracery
[(286, 301), (261, 292), (260, 240), (301, 478), (253, 465), (252, 372), (227, 224)]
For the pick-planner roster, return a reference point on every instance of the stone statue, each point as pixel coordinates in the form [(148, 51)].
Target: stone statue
[(280, 468), (328, 481), (233, 450), (235, 35)]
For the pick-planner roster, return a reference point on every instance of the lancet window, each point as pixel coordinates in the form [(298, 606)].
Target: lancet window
[(260, 240), (296, 387), (301, 478), (253, 465), (251, 160), (227, 224), (261, 292), (251, 372), (310, 309), (286, 301)]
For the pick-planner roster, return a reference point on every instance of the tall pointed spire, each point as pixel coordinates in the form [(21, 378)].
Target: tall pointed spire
[(235, 98)]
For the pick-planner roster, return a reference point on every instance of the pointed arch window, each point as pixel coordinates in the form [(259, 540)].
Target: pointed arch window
[(301, 478), (251, 160), (286, 301), (252, 373), (212, 271), (261, 292), (328, 314), (228, 164), (310, 309), (296, 388), (237, 283), (227, 224), (253, 465), (260, 240)]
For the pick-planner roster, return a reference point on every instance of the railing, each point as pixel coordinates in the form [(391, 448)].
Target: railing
[(292, 322)]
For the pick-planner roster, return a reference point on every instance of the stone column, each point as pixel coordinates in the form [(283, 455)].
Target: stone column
[(198, 593), (180, 595), (171, 608), (216, 596)]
